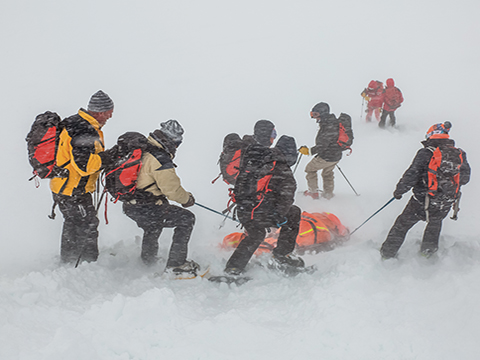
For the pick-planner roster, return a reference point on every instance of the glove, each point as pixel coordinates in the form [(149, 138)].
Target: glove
[(397, 195), (304, 150), (190, 202), (367, 98)]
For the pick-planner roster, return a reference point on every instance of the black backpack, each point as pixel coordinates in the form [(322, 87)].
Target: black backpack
[(42, 145), (229, 160), (121, 177), (444, 174), (345, 132), (256, 170)]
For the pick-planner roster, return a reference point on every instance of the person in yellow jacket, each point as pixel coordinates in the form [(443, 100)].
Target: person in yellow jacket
[(157, 184), (81, 155)]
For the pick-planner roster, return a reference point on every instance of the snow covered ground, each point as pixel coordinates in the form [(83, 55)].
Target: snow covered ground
[(218, 68)]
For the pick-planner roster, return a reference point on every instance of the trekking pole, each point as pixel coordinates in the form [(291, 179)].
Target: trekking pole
[(361, 113), (375, 213), (298, 162), (216, 212), (347, 181)]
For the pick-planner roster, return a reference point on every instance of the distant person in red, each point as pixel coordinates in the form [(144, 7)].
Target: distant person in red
[(374, 96), (392, 100)]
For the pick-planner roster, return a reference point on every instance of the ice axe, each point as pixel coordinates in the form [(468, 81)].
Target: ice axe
[(456, 207)]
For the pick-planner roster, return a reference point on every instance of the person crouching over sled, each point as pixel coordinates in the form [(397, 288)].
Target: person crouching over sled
[(264, 194), (159, 183)]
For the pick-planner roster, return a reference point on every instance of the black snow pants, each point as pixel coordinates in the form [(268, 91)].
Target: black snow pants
[(413, 213), (256, 232), (383, 118), (80, 224), (152, 219)]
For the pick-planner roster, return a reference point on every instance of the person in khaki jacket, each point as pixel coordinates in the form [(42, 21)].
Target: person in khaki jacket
[(158, 183)]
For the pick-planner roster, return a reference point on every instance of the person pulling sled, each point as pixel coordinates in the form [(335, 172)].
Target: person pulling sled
[(149, 206), (264, 193), (436, 174)]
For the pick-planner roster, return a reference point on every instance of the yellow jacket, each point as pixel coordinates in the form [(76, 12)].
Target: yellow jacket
[(80, 142)]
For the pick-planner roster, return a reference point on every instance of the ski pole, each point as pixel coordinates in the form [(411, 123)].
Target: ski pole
[(347, 180), (298, 162), (375, 213), (216, 212)]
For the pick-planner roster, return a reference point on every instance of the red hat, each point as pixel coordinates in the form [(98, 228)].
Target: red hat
[(439, 131), (372, 84)]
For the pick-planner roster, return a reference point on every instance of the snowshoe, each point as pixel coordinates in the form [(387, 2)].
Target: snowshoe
[(230, 279), (189, 270)]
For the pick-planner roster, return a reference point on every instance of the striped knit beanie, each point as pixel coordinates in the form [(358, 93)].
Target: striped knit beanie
[(100, 102), (173, 130)]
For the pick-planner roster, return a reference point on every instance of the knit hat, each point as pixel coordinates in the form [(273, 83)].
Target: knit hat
[(173, 130), (263, 132), (100, 102), (439, 131), (321, 108)]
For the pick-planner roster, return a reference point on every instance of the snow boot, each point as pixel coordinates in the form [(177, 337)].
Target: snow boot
[(327, 196), (314, 195), (189, 267)]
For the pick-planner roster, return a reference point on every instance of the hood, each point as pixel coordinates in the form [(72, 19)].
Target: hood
[(390, 82), (288, 147), (158, 138), (262, 132)]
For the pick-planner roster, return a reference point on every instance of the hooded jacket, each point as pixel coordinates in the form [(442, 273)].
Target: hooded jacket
[(392, 96), (326, 146), (375, 93), (80, 142), (157, 175), (416, 175)]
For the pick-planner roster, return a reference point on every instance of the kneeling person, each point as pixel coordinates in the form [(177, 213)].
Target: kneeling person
[(158, 183)]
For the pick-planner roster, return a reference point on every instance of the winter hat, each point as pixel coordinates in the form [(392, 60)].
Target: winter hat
[(173, 130), (288, 147), (321, 108), (100, 102), (372, 84), (264, 131), (439, 131), (390, 82)]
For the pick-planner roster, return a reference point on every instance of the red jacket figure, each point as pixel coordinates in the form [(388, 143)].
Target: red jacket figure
[(392, 100), (374, 96)]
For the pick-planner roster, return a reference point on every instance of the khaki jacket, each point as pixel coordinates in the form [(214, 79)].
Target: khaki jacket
[(158, 176), (80, 142)]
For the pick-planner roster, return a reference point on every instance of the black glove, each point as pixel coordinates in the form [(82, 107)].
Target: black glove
[(190, 202), (109, 156), (397, 195)]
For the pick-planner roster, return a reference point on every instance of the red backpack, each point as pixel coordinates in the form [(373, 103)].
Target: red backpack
[(121, 176), (444, 173), (229, 160), (42, 145), (345, 132)]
